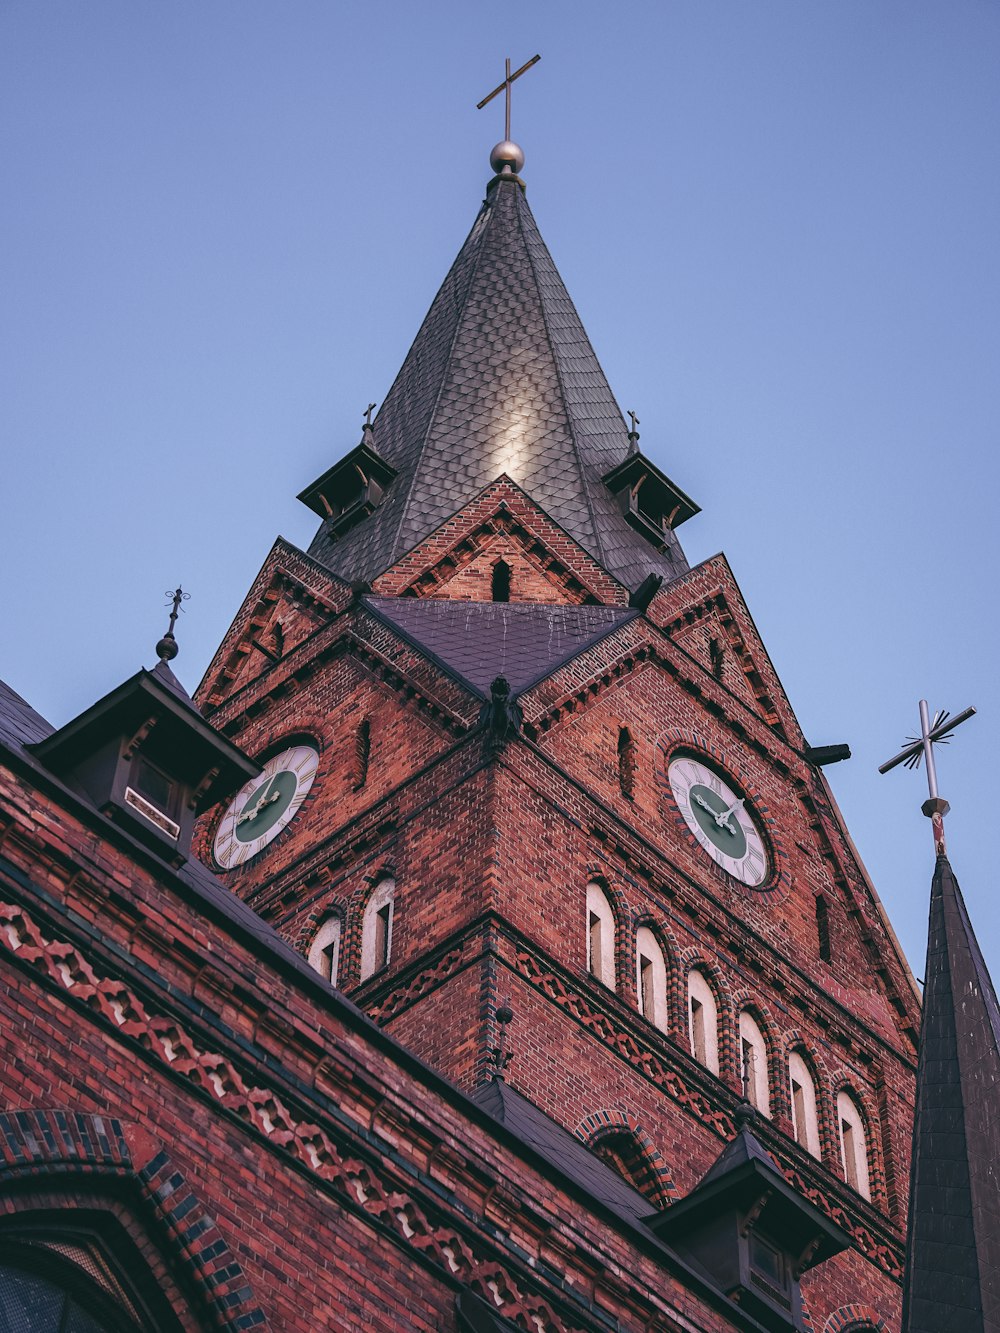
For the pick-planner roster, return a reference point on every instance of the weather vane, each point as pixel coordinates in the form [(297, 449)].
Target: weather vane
[(166, 649), (938, 732), (505, 87)]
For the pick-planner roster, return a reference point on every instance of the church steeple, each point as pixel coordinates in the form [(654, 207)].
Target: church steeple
[(501, 379), (953, 1243)]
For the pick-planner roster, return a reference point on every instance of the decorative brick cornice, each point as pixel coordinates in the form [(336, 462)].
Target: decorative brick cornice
[(48, 1145), (362, 1185), (886, 1255)]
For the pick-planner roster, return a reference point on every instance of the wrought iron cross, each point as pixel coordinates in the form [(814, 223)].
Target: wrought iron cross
[(166, 649), (938, 732), (176, 597), (368, 414), (505, 87)]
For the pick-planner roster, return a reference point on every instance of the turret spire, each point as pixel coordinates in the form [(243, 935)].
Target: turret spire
[(501, 379)]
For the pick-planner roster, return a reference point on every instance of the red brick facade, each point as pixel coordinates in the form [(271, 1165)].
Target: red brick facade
[(341, 1182)]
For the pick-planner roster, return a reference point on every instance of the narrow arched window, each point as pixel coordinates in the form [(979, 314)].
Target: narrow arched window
[(626, 763), (703, 1021), (324, 952), (853, 1144), (600, 936), (651, 978), (823, 929), (376, 929), (802, 1090), (753, 1064), (362, 753), (501, 581)]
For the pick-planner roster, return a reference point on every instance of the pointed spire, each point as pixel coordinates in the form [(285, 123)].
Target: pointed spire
[(501, 379), (953, 1239)]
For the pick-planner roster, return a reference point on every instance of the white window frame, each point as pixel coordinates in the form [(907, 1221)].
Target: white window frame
[(754, 1081), (327, 937), (853, 1144), (383, 896), (648, 952), (600, 932), (703, 1020), (802, 1094)]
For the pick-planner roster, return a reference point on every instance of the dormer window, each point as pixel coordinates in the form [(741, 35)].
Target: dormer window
[(146, 758), (649, 500), (152, 793), (351, 490)]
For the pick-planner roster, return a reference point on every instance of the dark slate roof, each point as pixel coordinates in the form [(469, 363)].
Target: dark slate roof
[(20, 725), (745, 1147), (168, 680), (478, 641), (953, 1245), (501, 378), (534, 1128)]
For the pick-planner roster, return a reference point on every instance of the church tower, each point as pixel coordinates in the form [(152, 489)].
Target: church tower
[(534, 798)]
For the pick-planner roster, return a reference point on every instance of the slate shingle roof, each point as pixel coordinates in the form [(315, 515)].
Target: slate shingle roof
[(953, 1244), (534, 1128), (501, 378), (478, 641)]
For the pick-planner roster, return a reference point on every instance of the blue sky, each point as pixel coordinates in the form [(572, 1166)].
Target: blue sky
[(221, 224)]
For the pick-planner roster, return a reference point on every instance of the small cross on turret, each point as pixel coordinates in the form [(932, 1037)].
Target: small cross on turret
[(505, 88), (938, 732)]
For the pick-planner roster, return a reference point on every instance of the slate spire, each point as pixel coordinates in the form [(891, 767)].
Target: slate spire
[(501, 378), (953, 1244)]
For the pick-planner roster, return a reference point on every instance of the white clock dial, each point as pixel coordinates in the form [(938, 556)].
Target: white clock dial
[(719, 819), (262, 808)]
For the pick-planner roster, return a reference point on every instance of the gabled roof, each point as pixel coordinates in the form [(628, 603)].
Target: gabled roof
[(478, 641), (953, 1243), (501, 378)]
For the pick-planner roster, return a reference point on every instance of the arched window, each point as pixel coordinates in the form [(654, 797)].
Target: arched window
[(823, 929), (753, 1064), (626, 763), (802, 1089), (651, 978), (600, 936), (500, 583), (853, 1144), (362, 753), (324, 952), (376, 929), (703, 1021)]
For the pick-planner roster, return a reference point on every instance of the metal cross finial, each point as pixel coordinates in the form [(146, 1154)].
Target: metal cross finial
[(368, 414), (938, 732), (634, 420), (166, 649), (505, 87)]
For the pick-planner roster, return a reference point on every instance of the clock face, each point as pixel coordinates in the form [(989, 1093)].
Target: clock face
[(262, 808), (718, 818)]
